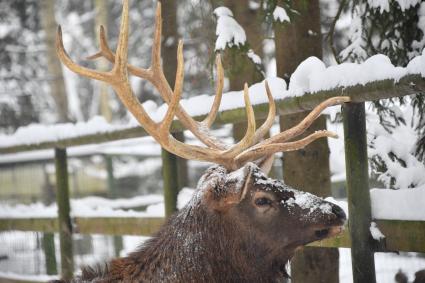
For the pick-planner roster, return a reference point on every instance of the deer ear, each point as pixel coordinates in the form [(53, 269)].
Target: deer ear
[(226, 190), (266, 164)]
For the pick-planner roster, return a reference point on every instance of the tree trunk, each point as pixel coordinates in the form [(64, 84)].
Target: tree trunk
[(169, 43), (101, 18), (306, 169), (57, 85), (240, 69)]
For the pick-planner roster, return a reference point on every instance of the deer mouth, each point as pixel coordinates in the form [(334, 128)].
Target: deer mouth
[(328, 232)]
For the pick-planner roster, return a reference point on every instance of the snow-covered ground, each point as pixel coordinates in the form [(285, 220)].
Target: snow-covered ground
[(386, 266), (97, 207)]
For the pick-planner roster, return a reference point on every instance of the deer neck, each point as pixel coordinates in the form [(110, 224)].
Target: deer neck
[(203, 243)]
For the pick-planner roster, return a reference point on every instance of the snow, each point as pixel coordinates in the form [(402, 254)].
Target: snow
[(386, 265), (253, 5), (407, 4), (137, 168), (375, 232), (85, 207), (357, 45), (7, 28), (308, 201), (341, 203), (228, 31), (280, 15), (300, 79), (417, 64), (142, 147), (27, 278), (254, 57), (384, 5), (38, 133), (393, 153), (403, 204), (157, 210), (377, 67), (98, 207)]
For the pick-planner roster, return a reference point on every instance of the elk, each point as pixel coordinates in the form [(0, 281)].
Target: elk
[(240, 225)]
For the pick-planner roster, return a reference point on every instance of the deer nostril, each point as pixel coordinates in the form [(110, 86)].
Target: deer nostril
[(338, 212)]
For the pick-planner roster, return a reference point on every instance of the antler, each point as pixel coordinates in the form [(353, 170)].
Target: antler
[(155, 75), (248, 149)]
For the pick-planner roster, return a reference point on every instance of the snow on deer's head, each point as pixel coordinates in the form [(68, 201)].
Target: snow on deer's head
[(268, 210)]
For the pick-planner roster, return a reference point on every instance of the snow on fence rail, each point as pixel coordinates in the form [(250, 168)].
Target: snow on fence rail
[(96, 131)]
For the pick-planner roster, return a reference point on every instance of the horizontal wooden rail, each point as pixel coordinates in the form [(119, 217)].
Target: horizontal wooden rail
[(408, 85), (407, 236)]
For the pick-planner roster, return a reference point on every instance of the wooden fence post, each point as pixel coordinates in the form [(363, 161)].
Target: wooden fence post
[(112, 190), (48, 241), (49, 253), (110, 176), (359, 207), (64, 218), (169, 176)]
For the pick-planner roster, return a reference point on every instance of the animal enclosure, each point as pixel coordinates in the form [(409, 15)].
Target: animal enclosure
[(56, 234), (400, 235)]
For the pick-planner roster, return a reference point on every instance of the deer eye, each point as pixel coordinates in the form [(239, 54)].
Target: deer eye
[(263, 201)]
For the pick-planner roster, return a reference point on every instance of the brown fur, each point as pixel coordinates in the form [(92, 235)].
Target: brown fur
[(219, 237)]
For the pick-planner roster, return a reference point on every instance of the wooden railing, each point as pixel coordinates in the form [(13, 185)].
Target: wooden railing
[(400, 235)]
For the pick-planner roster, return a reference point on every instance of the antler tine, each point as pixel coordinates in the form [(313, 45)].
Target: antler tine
[(121, 54), (64, 57), (256, 153), (265, 127), (246, 141), (306, 122), (104, 51), (178, 86), (209, 120)]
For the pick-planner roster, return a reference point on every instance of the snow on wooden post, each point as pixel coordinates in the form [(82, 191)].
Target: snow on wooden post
[(64, 218), (359, 207), (169, 176)]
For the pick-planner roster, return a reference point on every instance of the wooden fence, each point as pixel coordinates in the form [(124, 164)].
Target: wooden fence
[(400, 235)]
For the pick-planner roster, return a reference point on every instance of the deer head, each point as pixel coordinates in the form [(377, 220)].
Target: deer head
[(274, 215)]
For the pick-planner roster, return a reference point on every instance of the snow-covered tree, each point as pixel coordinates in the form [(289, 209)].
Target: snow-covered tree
[(395, 28), (20, 60)]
